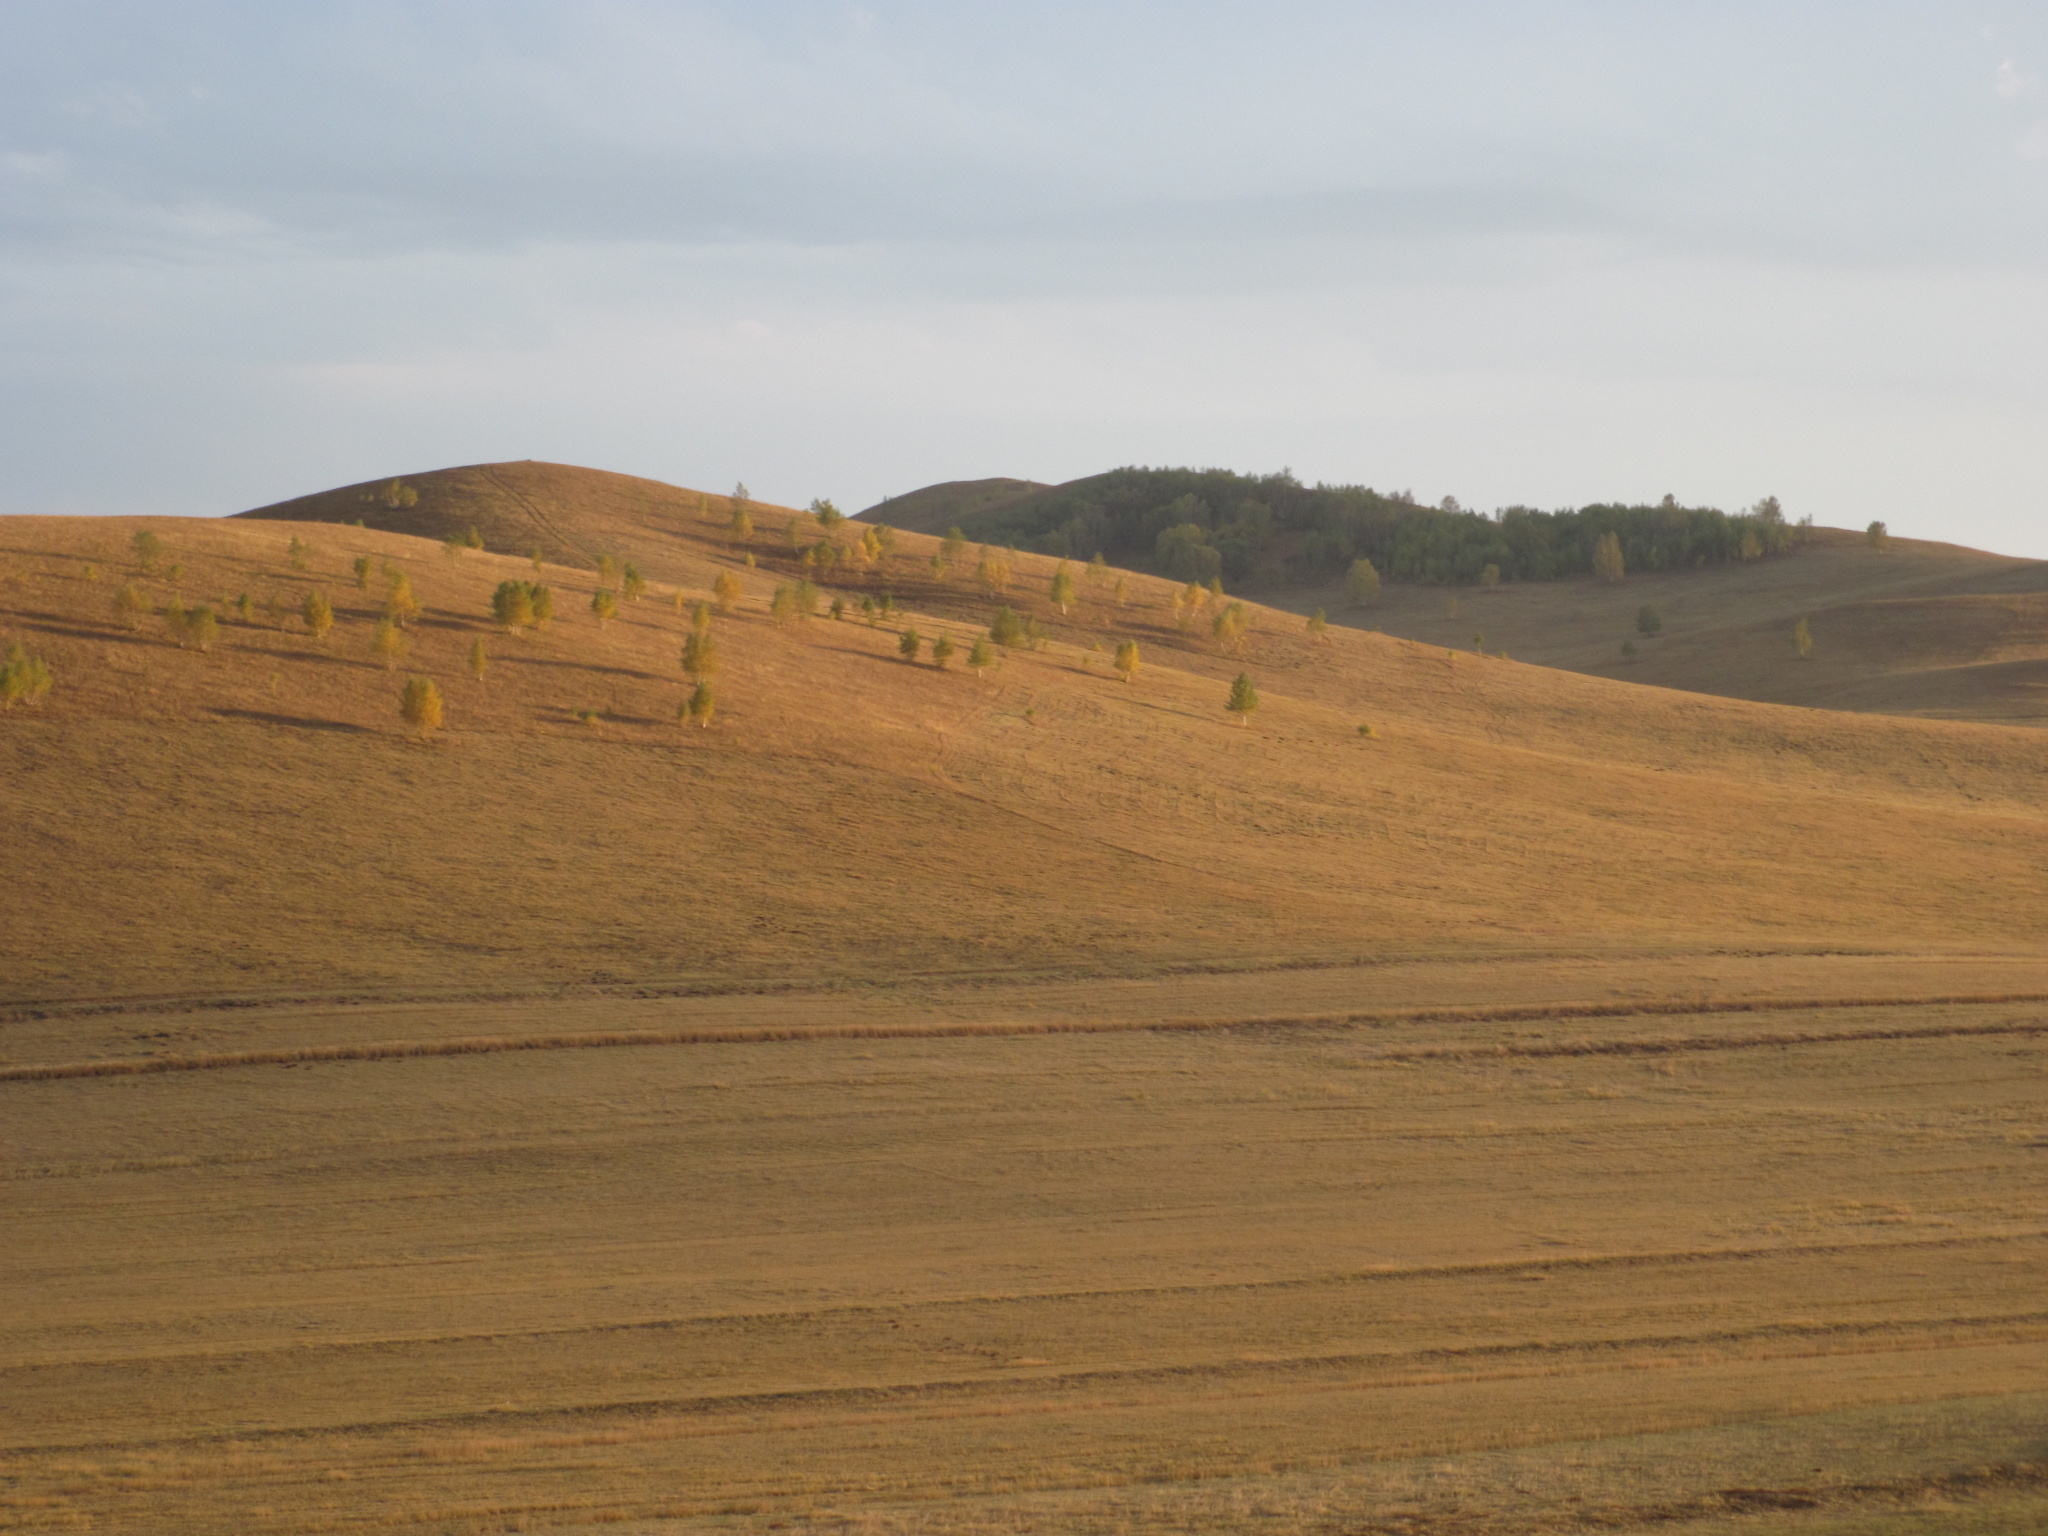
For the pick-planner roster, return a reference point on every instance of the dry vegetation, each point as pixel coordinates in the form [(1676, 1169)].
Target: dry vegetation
[(920, 1101)]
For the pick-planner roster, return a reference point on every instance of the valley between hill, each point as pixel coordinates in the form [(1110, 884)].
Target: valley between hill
[(1022, 1101)]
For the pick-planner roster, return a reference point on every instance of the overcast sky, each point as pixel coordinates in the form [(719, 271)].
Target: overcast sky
[(1537, 253)]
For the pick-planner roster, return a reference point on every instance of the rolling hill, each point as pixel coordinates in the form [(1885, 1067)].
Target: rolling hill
[(1465, 1098), (936, 508)]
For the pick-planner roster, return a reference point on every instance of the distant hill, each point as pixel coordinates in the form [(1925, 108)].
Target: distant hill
[(937, 508), (254, 818)]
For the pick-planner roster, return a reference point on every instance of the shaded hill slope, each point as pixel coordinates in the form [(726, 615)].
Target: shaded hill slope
[(255, 819), (1918, 629), (936, 508)]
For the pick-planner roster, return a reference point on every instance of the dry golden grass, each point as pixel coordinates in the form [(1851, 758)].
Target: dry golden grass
[(927, 1103)]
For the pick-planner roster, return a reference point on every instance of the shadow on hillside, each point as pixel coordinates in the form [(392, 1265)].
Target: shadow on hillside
[(297, 722), (581, 666), (73, 629)]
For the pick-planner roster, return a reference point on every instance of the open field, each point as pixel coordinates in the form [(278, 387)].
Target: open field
[(923, 1101)]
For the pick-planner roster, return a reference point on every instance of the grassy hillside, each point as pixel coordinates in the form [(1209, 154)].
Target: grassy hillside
[(849, 813), (1920, 628), (1035, 1101), (953, 503)]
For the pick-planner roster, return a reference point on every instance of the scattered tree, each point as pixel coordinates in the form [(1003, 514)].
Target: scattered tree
[(130, 606), (993, 572), (1450, 605), (1802, 638), (740, 527), (175, 617), (148, 549), (91, 572), (1880, 537), (537, 557), (1751, 547), (543, 601), (954, 543), (782, 607), (726, 590), (885, 605), (701, 705), (398, 494), (870, 548), (632, 585), (479, 659), (908, 644), (1122, 591), (420, 703), (1319, 626), (700, 618), (400, 606), (1009, 628), (1097, 569), (317, 612), (361, 566), (980, 656), (607, 571), (829, 517), (1608, 564), (473, 538), (1127, 662), (838, 608), (1361, 584), (938, 566), (1063, 588), (389, 644), (298, 554), (202, 628), (605, 604), (245, 608), (942, 652), (1188, 602), (1368, 732), (1628, 650), (1490, 577), (1230, 627), (512, 605), (700, 655), (1243, 697), (1648, 620), (24, 679)]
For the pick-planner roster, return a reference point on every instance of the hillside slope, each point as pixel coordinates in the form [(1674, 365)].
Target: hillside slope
[(936, 508), (255, 818), (1921, 628)]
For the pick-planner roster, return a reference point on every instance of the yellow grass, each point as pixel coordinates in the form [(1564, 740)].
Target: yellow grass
[(926, 1103)]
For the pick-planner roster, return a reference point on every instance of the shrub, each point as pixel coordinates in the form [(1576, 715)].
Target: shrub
[(24, 679), (389, 644), (1361, 584), (942, 652), (632, 585), (908, 644), (1127, 662), (1368, 732), (512, 605), (92, 572), (727, 590), (1648, 620), (148, 549), (605, 604), (317, 612), (361, 566), (1607, 561), (130, 606), (1243, 697), (700, 654), (980, 656), (701, 705), (420, 703), (479, 659)]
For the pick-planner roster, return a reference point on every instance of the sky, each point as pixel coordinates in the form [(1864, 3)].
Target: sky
[(1532, 253)]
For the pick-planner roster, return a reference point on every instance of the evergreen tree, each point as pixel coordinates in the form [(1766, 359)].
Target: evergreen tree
[(907, 645), (317, 612), (942, 652), (1127, 662), (727, 590), (605, 604), (1361, 584), (420, 703), (1243, 697), (479, 659)]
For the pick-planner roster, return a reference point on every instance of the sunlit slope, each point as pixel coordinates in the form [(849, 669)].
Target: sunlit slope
[(935, 508), (255, 818), (1918, 629)]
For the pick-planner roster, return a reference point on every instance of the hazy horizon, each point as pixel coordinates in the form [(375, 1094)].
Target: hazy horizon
[(1546, 255)]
